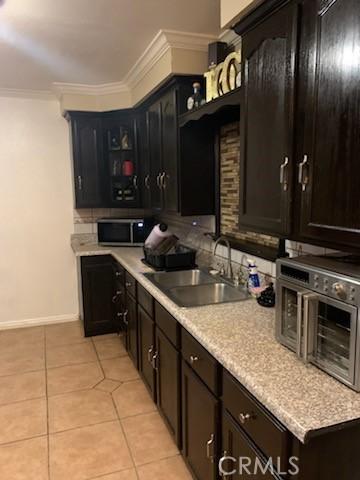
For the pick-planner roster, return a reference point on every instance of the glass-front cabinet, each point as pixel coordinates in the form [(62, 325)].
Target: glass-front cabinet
[(122, 167)]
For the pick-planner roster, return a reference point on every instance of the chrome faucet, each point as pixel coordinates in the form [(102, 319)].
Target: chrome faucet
[(229, 272)]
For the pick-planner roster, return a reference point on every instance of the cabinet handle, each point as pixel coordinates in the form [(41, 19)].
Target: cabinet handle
[(303, 178), (80, 182), (209, 444), (158, 181), (119, 274), (116, 296), (283, 174), (125, 314), (147, 182), (135, 182), (193, 359), (154, 361), (128, 284), (163, 182), (245, 417), (150, 351)]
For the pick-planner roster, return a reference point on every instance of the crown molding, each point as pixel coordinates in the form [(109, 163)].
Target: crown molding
[(189, 41), (93, 90), (231, 38), (29, 94)]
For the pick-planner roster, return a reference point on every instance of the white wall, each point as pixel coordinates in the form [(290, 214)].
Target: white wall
[(37, 267), (232, 10)]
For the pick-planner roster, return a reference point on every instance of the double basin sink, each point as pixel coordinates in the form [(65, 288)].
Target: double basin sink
[(194, 288)]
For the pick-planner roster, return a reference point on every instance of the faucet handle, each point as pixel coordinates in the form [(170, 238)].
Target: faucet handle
[(221, 268)]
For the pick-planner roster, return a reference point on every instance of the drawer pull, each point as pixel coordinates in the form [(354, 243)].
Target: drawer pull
[(116, 296), (245, 417), (210, 444), (154, 361), (128, 284), (125, 314), (150, 351), (193, 359), (118, 274)]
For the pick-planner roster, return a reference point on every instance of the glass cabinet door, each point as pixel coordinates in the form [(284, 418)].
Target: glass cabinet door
[(335, 337)]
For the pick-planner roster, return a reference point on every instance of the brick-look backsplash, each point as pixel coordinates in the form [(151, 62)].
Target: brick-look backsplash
[(229, 188)]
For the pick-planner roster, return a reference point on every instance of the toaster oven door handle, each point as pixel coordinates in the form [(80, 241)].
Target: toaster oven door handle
[(299, 318), (309, 317)]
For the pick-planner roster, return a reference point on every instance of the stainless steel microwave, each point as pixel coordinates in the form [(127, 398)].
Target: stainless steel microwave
[(124, 231), (317, 314)]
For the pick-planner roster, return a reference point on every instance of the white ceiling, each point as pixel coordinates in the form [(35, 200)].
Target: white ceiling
[(88, 41)]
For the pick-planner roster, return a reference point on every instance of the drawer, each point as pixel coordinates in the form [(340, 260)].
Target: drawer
[(145, 300), (264, 430), (168, 324), (119, 274), (130, 284), (201, 361)]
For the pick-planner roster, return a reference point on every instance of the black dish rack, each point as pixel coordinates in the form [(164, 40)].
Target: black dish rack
[(182, 258)]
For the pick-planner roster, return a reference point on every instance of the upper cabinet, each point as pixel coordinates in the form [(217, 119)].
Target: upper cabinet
[(180, 172), (329, 98), (89, 168), (267, 113), (300, 117)]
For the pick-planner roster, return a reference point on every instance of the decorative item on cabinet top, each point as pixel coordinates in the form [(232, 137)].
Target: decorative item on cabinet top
[(224, 77)]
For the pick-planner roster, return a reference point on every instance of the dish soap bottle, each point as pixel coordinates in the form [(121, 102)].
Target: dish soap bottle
[(254, 279)]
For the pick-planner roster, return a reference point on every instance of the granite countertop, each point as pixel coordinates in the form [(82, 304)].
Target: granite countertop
[(241, 337)]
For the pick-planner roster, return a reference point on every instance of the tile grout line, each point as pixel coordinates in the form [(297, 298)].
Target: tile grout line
[(119, 421), (47, 406)]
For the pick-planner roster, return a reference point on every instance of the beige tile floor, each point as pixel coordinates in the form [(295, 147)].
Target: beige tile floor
[(74, 408)]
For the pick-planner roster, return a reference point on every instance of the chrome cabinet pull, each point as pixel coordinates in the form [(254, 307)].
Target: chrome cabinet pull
[(147, 182), (116, 296), (193, 359), (80, 183), (135, 182), (158, 181), (163, 182), (209, 444), (149, 355), (154, 361), (118, 274), (245, 417), (283, 174), (303, 178), (128, 284), (125, 314)]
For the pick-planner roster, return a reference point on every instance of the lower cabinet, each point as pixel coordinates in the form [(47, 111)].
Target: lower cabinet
[(131, 323), (146, 334), (99, 295), (167, 362), (200, 420)]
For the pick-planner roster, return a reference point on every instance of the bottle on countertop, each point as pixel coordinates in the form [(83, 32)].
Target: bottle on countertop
[(254, 279), (196, 98), (157, 235)]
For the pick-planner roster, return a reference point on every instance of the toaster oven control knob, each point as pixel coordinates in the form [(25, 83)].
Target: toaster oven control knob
[(340, 290)]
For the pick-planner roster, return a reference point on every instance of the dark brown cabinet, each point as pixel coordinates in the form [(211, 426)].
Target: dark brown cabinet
[(329, 96), (147, 350), (167, 366), (87, 153), (267, 122), (155, 155), (98, 295), (200, 420), (131, 322)]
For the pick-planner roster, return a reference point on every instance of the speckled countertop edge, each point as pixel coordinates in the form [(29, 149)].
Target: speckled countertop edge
[(241, 337)]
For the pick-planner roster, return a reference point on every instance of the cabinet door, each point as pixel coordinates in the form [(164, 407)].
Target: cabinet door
[(199, 423), (146, 350), (169, 150), (266, 123), (330, 92), (132, 328), (167, 366), (98, 291), (236, 446), (155, 154), (88, 162)]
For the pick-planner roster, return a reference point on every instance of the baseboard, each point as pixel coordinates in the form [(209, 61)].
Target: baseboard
[(36, 322)]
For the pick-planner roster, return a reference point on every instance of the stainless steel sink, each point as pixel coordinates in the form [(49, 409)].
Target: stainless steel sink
[(193, 288), (180, 279), (194, 296)]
